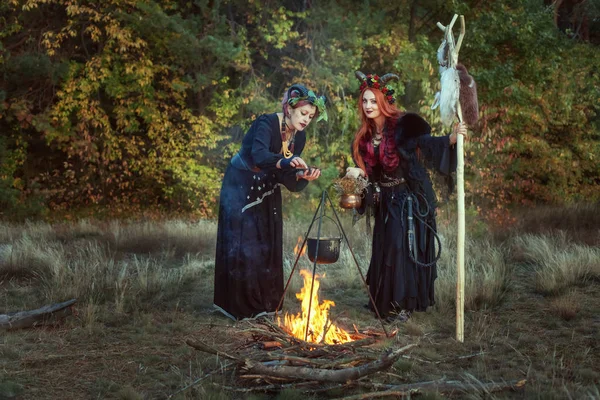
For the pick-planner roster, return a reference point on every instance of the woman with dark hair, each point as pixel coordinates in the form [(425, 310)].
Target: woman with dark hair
[(249, 257), (392, 149)]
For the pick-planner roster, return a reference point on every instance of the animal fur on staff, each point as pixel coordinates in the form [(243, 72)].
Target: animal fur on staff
[(456, 86), (468, 96)]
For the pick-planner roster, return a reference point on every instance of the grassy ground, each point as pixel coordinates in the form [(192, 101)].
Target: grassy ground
[(144, 288)]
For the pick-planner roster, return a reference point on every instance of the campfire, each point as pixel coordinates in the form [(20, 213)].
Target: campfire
[(320, 328), (297, 247), (307, 351)]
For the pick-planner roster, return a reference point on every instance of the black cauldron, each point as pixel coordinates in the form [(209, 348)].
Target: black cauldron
[(329, 248)]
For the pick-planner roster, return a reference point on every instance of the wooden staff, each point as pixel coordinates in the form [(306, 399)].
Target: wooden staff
[(460, 184)]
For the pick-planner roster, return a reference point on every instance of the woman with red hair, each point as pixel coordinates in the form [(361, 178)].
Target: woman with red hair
[(392, 150)]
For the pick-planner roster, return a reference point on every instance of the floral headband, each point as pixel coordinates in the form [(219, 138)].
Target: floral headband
[(302, 93), (375, 82)]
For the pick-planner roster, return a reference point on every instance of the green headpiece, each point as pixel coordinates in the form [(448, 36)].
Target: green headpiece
[(297, 93)]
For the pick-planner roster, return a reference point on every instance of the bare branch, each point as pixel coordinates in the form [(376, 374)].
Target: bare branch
[(461, 36)]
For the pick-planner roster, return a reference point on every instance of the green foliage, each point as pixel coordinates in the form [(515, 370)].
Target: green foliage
[(17, 201), (540, 95), (135, 104), (9, 185)]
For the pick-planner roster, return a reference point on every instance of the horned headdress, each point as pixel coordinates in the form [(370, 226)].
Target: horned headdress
[(380, 83)]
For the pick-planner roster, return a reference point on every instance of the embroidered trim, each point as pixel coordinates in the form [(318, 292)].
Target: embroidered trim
[(260, 200)]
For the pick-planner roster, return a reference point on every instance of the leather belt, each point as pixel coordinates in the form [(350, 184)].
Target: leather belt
[(393, 182)]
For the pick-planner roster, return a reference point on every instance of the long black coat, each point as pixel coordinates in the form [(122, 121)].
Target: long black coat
[(249, 261), (402, 270)]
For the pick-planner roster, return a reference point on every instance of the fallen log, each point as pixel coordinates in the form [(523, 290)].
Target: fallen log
[(37, 317)]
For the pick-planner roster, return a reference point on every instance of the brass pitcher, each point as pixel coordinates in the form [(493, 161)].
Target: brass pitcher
[(349, 201)]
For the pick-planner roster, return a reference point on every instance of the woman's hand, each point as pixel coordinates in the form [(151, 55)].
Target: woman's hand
[(352, 172), (459, 129), (309, 174), (295, 163)]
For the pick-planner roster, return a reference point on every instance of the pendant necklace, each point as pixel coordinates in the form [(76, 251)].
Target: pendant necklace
[(376, 139), (285, 150)]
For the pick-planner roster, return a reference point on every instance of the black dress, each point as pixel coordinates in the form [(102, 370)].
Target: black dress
[(402, 270), (249, 259)]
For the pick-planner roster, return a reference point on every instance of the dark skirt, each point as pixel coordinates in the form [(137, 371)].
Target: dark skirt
[(249, 259), (395, 281)]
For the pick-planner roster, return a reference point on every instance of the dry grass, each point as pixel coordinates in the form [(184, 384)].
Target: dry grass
[(487, 272), (559, 263), (581, 222), (178, 236), (143, 288), (129, 265), (566, 307)]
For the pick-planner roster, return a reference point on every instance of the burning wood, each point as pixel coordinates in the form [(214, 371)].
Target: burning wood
[(313, 323), (318, 368), (273, 355)]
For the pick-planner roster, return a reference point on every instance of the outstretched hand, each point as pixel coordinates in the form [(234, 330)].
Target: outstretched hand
[(298, 163), (310, 174)]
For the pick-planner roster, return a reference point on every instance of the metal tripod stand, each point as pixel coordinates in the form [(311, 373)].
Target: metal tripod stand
[(325, 198)]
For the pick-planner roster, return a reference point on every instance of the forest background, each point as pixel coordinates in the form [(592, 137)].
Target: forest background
[(119, 106), (119, 117)]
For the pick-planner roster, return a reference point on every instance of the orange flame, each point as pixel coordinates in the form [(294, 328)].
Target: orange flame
[(321, 329), (297, 248)]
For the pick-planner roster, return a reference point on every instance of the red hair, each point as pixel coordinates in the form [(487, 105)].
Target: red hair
[(367, 127)]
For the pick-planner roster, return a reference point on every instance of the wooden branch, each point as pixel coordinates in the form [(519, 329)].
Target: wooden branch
[(282, 338), (457, 385), (461, 36), (440, 385), (294, 359), (341, 375), (449, 27), (40, 316), (460, 192), (453, 48), (348, 361), (183, 389), (374, 395), (266, 388), (207, 349), (272, 344)]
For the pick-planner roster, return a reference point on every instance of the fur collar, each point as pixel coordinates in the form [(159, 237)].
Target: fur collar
[(410, 126)]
